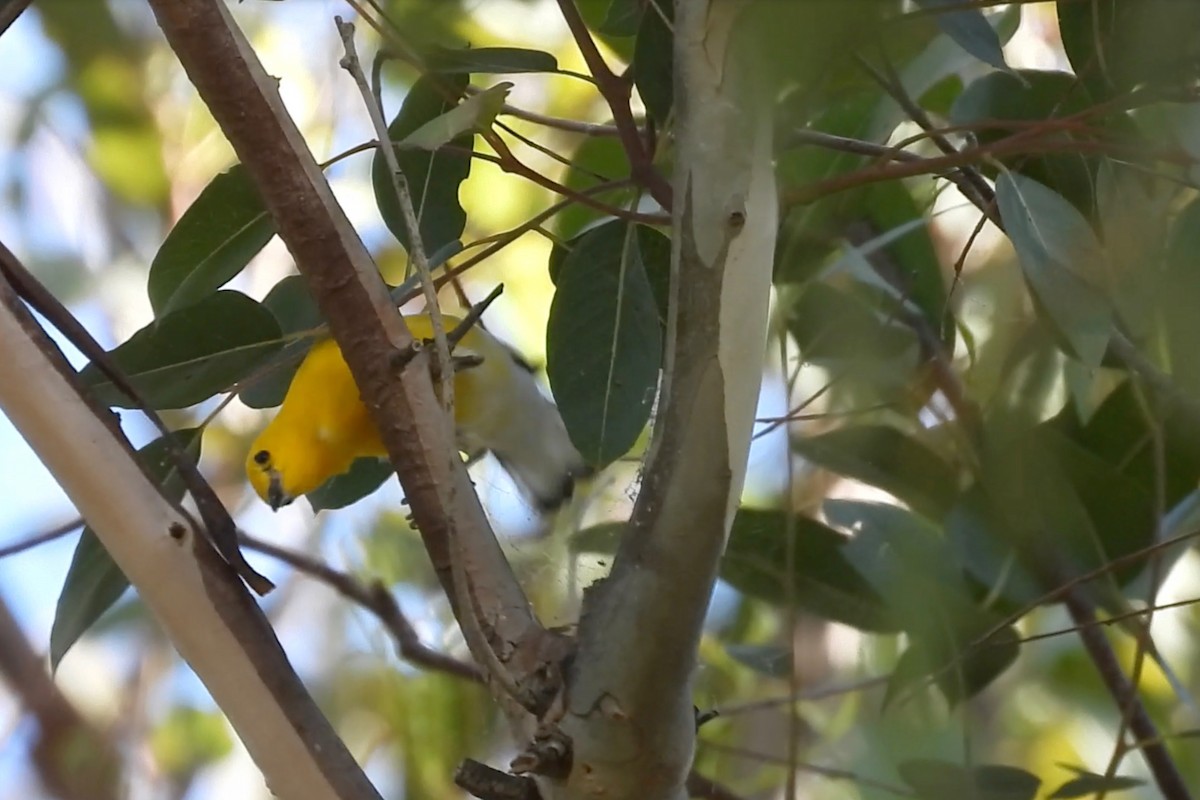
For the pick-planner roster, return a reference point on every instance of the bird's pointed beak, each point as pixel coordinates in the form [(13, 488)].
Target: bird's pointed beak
[(276, 496)]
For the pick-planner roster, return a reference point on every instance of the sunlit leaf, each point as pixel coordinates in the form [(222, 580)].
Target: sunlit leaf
[(475, 113)]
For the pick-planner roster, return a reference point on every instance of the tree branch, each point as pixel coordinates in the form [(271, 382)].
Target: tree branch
[(74, 759), (201, 604), (616, 92), (348, 289)]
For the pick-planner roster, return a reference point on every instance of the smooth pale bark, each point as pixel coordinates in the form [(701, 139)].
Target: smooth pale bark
[(630, 714), (200, 603)]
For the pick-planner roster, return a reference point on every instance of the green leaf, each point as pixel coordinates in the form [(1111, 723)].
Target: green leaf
[(823, 580), (1089, 783), (213, 241), (474, 114), (939, 780), (94, 582), (433, 177), (490, 60), (363, 478), (295, 311), (882, 456), (1059, 255), (854, 333), (916, 267), (604, 343), (654, 59), (990, 104), (906, 561), (191, 354), (1116, 46), (969, 28), (622, 18)]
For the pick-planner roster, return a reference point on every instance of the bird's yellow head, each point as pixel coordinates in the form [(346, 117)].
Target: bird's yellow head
[(281, 468)]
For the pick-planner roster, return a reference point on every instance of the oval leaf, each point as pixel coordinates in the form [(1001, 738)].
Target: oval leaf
[(475, 113), (433, 177), (882, 456), (191, 354), (490, 60), (938, 780), (604, 343), (364, 477), (212, 242), (1057, 248), (969, 29), (654, 59), (823, 581), (94, 582)]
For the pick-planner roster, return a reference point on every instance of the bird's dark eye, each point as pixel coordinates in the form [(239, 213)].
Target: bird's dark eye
[(262, 458)]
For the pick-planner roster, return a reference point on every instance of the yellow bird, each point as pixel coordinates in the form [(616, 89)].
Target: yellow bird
[(323, 426)]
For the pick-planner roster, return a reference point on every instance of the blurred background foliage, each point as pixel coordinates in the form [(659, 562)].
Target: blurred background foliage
[(947, 436)]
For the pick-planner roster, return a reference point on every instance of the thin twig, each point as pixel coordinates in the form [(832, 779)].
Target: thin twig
[(416, 248), (36, 539), (832, 773), (616, 91), (217, 525), (1166, 775), (375, 598)]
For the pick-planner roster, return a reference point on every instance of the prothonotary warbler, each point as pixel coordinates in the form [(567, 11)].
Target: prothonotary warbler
[(323, 426)]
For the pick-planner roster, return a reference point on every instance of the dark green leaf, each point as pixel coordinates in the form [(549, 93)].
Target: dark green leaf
[(94, 582), (882, 456), (213, 241), (604, 343), (967, 26), (191, 354), (433, 177), (654, 59), (1059, 257), (490, 60), (622, 18), (823, 581), (1089, 783), (295, 311), (941, 780), (364, 477)]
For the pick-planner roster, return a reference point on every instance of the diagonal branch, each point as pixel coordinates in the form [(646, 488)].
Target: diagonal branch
[(348, 289), (616, 91)]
